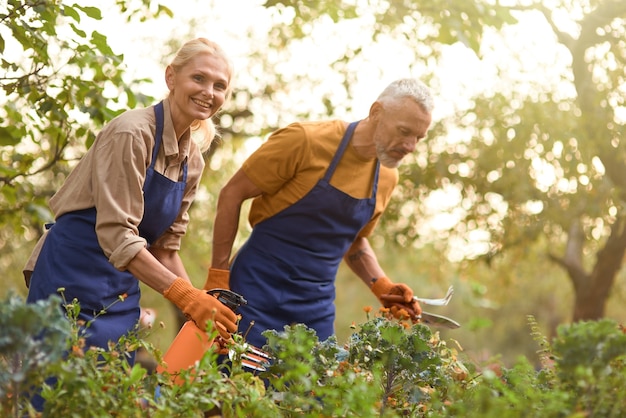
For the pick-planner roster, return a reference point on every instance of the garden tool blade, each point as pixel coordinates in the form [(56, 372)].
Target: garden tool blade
[(438, 321), (252, 362), (437, 302), (253, 358), (262, 355)]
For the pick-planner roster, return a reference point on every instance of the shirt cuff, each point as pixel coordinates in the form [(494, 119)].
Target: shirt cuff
[(121, 257)]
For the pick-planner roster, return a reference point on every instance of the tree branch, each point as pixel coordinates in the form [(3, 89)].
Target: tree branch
[(571, 260)]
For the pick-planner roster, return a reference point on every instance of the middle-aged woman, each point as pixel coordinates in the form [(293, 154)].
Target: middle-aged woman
[(121, 213)]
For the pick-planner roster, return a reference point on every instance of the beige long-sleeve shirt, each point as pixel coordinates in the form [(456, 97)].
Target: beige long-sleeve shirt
[(110, 177)]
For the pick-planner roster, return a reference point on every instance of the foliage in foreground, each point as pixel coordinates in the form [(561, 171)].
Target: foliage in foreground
[(387, 369)]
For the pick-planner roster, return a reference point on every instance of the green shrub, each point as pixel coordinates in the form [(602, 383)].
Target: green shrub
[(33, 338), (388, 368), (583, 375)]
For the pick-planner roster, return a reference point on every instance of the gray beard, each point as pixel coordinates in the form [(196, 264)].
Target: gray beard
[(385, 159)]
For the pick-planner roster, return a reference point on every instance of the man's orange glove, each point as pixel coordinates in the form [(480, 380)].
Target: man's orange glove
[(200, 307), (217, 279), (397, 297)]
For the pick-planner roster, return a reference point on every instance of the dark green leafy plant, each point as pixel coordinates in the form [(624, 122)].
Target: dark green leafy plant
[(407, 364), (590, 359), (387, 368), (308, 379), (582, 375), (33, 338)]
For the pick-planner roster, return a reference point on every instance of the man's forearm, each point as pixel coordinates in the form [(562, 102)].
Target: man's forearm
[(224, 233), (362, 260)]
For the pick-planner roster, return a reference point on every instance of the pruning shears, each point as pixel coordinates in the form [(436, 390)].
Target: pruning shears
[(438, 320), (253, 358)]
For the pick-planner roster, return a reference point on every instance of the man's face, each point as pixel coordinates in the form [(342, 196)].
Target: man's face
[(401, 125)]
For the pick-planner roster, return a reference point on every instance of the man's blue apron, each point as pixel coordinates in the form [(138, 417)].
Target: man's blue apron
[(72, 258), (286, 269)]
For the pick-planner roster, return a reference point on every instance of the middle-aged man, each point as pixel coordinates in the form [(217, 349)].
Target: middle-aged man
[(319, 189)]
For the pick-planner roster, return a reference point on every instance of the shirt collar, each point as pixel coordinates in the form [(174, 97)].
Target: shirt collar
[(173, 148)]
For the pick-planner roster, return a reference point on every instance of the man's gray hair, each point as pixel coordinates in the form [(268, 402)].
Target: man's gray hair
[(408, 87)]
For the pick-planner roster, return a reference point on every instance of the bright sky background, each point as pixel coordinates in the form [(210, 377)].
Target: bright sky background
[(227, 26), (241, 26), (460, 75), (228, 23)]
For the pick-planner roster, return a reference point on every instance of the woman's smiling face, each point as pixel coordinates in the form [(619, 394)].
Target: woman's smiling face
[(198, 90)]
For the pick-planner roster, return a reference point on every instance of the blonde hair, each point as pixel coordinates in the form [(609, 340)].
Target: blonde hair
[(189, 50)]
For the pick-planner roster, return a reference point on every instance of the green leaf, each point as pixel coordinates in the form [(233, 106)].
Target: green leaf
[(136, 374), (71, 12), (163, 9), (92, 12), (6, 138), (78, 31), (100, 41)]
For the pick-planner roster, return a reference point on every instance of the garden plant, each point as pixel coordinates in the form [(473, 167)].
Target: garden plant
[(388, 368)]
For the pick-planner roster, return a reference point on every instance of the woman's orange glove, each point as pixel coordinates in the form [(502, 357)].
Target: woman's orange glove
[(200, 307), (397, 297)]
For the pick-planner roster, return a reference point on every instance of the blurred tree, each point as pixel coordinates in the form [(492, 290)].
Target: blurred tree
[(530, 163), (544, 165), (526, 163), (60, 82)]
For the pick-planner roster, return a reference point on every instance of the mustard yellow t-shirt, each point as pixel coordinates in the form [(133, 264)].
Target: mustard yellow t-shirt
[(289, 164)]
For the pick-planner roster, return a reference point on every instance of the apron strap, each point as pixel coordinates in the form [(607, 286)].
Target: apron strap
[(342, 147), (158, 112)]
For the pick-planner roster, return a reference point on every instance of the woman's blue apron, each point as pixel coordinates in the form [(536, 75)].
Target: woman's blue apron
[(286, 269), (71, 257)]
